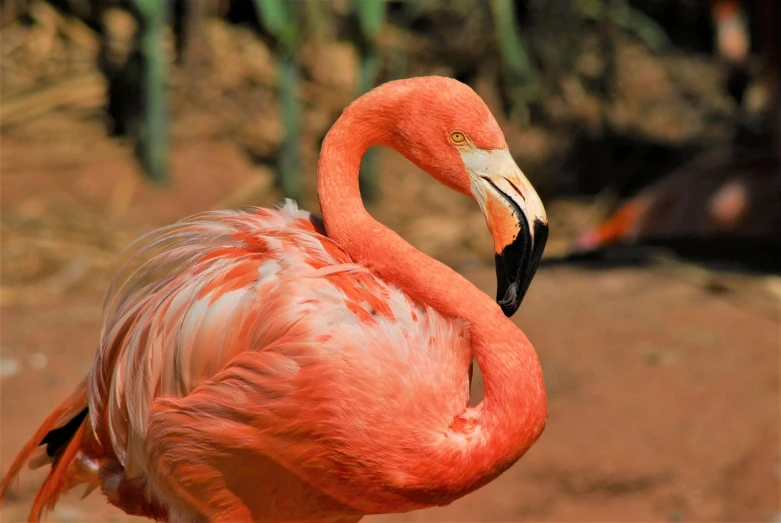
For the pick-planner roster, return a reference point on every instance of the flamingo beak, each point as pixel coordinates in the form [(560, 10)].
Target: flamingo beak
[(516, 218)]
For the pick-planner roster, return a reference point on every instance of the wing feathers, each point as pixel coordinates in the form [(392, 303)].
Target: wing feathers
[(189, 298)]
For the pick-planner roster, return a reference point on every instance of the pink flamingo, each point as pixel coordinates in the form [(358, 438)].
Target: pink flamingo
[(265, 366)]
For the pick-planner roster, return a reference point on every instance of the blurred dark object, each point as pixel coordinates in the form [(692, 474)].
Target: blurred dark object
[(723, 206), (716, 208), (120, 61), (134, 61), (770, 20), (753, 83)]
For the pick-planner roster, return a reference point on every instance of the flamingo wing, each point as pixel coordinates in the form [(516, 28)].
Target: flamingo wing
[(251, 370)]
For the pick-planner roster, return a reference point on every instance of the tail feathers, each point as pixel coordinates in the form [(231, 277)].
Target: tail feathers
[(63, 476), (61, 433)]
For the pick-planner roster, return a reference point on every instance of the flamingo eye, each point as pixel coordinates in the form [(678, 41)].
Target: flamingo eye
[(457, 137)]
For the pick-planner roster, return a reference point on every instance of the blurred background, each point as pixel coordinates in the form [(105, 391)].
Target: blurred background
[(651, 129)]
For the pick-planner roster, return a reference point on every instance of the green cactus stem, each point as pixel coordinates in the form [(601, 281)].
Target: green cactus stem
[(371, 17), (153, 141)]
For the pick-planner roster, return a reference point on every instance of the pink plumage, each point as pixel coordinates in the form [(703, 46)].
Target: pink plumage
[(255, 367)]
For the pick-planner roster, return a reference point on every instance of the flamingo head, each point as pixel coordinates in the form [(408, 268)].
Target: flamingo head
[(445, 128)]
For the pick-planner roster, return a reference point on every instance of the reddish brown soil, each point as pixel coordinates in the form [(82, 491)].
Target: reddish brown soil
[(664, 398)]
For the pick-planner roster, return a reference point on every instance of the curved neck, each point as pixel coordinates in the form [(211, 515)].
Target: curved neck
[(374, 245), (514, 409)]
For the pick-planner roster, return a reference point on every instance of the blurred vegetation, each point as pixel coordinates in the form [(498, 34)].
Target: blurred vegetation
[(598, 101), (284, 20), (370, 17), (573, 82), (152, 139)]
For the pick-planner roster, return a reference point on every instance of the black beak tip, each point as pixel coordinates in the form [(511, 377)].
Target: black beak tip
[(517, 265), (509, 301)]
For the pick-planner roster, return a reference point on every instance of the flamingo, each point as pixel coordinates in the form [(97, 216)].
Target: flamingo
[(264, 365)]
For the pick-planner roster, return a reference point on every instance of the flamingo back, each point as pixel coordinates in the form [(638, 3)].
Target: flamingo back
[(223, 284)]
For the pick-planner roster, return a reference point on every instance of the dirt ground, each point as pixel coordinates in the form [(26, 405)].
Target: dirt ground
[(664, 396)]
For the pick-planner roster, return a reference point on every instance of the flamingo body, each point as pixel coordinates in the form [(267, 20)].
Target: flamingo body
[(264, 309), (264, 366)]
